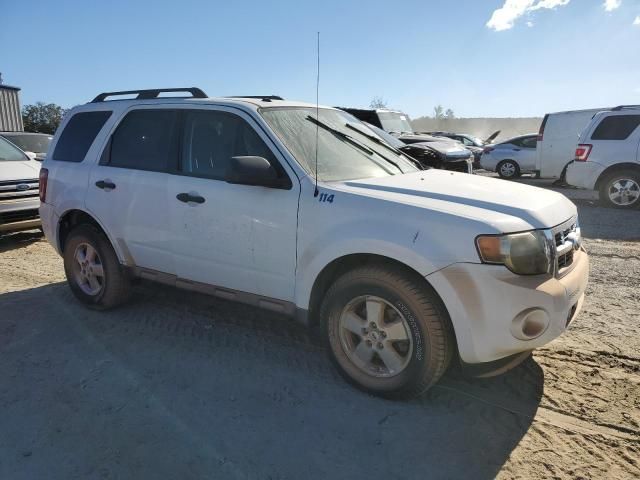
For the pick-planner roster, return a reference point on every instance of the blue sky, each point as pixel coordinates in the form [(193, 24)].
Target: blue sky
[(480, 58)]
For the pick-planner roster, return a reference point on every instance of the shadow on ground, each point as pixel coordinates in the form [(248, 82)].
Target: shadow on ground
[(178, 385), (13, 241)]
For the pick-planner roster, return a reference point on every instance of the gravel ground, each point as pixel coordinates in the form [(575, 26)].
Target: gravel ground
[(178, 385)]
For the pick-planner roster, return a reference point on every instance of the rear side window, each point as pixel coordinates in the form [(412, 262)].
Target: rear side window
[(78, 135), (145, 140), (529, 142), (617, 127)]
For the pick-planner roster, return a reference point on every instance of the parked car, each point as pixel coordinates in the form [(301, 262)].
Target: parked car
[(557, 140), (286, 206), (511, 157), (398, 124), (607, 157), (33, 144), (473, 143), (19, 200), (435, 154)]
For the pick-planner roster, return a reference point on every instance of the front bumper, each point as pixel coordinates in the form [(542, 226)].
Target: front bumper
[(487, 302), (16, 215), (584, 174)]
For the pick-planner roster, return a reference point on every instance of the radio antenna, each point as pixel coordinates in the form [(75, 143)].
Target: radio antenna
[(316, 191)]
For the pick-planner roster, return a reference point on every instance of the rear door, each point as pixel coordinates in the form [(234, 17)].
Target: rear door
[(240, 237), (127, 189)]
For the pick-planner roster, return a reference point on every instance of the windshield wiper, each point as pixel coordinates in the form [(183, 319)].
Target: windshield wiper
[(384, 144), (349, 139)]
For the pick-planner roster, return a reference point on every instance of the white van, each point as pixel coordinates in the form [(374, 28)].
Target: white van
[(557, 140)]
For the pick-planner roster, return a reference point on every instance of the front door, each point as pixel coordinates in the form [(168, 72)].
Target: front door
[(235, 236)]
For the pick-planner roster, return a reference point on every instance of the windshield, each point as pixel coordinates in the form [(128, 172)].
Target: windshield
[(343, 154), (9, 152), (395, 122), (30, 143), (475, 141)]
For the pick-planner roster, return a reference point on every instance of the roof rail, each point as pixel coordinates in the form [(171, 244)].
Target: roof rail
[(264, 98), (148, 94), (623, 107)]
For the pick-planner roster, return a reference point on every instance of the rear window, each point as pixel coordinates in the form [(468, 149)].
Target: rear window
[(145, 141), (78, 135), (617, 127)]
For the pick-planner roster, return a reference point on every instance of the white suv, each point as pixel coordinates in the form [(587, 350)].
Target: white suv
[(18, 189), (608, 157), (403, 268)]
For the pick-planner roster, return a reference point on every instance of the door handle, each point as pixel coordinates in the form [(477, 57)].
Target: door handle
[(516, 149), (187, 198), (105, 184)]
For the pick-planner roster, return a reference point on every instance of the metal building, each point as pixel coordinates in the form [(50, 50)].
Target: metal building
[(10, 116)]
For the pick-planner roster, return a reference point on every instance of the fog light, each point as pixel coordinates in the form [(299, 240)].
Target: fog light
[(529, 324)]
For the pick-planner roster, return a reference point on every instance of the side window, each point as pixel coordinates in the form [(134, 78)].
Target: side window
[(530, 142), (616, 127), (465, 141), (212, 138), (78, 135), (145, 140)]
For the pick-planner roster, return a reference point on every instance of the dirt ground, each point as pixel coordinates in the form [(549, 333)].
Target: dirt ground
[(178, 385)]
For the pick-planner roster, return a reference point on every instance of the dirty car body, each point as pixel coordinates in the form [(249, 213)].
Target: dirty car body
[(312, 219)]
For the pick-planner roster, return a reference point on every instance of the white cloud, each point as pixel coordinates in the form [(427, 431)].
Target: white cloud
[(637, 21), (610, 5), (504, 17), (529, 24)]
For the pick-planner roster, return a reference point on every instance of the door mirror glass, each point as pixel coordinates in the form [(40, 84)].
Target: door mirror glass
[(252, 170)]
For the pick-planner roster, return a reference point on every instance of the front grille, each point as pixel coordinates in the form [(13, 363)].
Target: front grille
[(18, 216), (564, 245), (18, 189)]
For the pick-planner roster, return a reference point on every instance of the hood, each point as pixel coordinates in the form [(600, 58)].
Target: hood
[(506, 206), (12, 170), (448, 149)]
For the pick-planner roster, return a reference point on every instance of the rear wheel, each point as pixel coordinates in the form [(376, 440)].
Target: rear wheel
[(508, 169), (387, 331), (621, 190), (93, 271)]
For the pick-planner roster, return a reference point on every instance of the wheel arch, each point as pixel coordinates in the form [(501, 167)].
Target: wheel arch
[(74, 217), (338, 266), (616, 168)]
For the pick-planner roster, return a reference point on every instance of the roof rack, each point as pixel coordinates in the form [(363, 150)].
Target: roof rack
[(264, 98), (624, 107), (148, 94)]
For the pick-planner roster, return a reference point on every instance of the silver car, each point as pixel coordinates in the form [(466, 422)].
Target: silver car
[(511, 157)]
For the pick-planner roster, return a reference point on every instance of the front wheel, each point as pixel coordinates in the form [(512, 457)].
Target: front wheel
[(387, 331), (621, 190), (508, 169)]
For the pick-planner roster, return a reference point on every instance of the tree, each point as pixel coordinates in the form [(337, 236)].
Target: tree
[(438, 112), (378, 102), (449, 114), (41, 117)]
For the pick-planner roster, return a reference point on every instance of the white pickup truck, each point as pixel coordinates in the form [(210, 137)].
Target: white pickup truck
[(18, 189), (294, 208)]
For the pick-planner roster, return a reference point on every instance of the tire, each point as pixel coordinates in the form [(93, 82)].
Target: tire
[(418, 362), (629, 180), (114, 284), (508, 169)]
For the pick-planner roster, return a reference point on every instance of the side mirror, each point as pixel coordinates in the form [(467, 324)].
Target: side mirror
[(256, 171), (31, 155)]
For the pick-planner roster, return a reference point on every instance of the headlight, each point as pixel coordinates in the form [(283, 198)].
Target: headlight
[(525, 253)]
